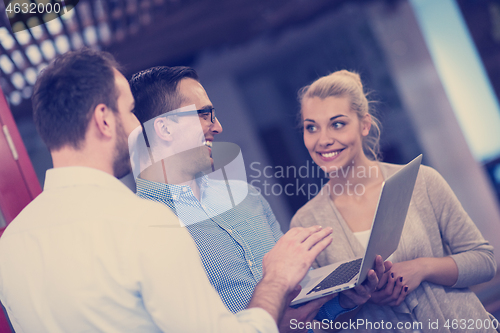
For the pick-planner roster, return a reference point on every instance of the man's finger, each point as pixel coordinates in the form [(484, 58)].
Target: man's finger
[(301, 234), (316, 237), (318, 247)]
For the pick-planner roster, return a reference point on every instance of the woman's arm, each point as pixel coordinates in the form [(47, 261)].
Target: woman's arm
[(471, 253), (406, 276), (470, 260), (443, 271)]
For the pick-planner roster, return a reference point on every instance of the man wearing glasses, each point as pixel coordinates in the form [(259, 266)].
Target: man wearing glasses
[(232, 230)]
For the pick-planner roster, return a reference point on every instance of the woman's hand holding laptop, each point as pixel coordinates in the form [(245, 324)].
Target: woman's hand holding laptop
[(360, 294)]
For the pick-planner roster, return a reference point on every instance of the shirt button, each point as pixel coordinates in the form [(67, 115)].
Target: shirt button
[(184, 189), (174, 196), (203, 206), (250, 263), (230, 231)]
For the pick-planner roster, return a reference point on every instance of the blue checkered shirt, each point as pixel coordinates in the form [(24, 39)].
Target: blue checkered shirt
[(231, 240)]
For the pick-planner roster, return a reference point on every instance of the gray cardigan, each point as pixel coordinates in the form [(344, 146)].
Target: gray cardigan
[(436, 226)]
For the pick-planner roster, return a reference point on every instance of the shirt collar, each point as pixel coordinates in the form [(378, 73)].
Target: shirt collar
[(79, 175), (202, 183)]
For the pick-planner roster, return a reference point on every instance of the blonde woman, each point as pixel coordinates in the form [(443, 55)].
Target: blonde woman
[(441, 252)]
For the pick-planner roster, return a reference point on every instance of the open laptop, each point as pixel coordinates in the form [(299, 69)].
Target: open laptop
[(386, 231)]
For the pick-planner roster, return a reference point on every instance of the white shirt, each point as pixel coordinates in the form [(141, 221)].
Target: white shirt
[(364, 237), (87, 255)]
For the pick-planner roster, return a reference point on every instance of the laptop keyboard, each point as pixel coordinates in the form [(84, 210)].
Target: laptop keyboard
[(342, 274)]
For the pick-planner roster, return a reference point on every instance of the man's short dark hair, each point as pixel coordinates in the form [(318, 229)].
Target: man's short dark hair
[(67, 92), (155, 90)]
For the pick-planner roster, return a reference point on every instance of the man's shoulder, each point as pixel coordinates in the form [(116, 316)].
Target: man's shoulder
[(95, 205), (147, 211), (125, 203)]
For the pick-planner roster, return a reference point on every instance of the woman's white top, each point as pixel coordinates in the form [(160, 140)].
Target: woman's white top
[(363, 238)]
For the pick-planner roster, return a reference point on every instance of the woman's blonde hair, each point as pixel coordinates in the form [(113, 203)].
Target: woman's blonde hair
[(344, 83)]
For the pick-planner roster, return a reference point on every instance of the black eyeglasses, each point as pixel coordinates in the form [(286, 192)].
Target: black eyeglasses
[(201, 112)]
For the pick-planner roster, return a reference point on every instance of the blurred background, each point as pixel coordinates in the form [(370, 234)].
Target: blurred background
[(432, 66)]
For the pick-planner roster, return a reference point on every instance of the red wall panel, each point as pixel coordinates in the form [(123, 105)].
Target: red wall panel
[(18, 182)]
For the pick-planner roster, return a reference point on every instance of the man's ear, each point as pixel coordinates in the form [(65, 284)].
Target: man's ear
[(366, 124), (162, 129), (104, 120)]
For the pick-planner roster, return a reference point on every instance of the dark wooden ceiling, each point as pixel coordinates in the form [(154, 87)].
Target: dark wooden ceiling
[(145, 33), (178, 30)]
